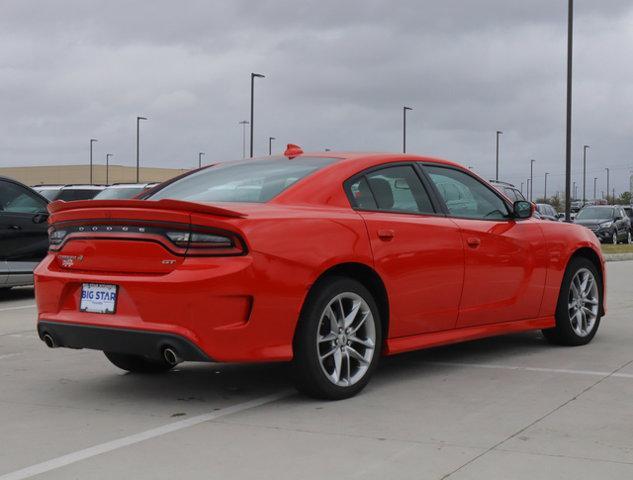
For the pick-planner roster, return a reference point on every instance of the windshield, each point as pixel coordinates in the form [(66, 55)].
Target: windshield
[(595, 213), (244, 181), (119, 192)]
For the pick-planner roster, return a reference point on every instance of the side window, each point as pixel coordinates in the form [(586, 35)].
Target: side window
[(510, 193), (17, 199), (473, 198), (392, 189)]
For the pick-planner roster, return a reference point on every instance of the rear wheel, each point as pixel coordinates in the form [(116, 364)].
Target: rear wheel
[(338, 340), (138, 363), (578, 309)]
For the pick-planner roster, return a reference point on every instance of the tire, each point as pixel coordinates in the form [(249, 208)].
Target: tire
[(614, 237), (138, 363), (568, 331), (334, 357), (629, 238)]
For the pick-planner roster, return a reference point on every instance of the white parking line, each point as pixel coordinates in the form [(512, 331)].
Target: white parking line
[(95, 450), (22, 307), (532, 369)]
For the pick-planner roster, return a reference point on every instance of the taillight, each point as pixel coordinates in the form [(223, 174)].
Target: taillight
[(199, 241)]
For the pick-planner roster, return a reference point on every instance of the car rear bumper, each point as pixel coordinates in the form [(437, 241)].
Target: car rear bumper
[(217, 305), (135, 342)]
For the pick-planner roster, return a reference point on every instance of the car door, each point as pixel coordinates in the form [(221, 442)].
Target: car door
[(417, 251), (23, 228), (506, 259)]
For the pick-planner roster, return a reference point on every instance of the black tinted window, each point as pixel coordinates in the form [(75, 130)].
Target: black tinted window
[(77, 194), (17, 199), (243, 181)]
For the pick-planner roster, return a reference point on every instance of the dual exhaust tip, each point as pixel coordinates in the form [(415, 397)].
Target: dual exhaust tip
[(170, 355)]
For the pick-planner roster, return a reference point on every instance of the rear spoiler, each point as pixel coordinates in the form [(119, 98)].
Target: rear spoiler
[(165, 204)]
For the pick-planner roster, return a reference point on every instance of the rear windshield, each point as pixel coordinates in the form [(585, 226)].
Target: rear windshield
[(119, 192), (77, 194), (244, 181)]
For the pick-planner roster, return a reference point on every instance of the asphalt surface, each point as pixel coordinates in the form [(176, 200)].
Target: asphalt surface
[(510, 407)]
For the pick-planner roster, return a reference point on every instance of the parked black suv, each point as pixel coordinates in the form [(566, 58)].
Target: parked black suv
[(23, 232), (608, 222)]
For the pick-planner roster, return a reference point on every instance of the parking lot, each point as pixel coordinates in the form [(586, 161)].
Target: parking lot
[(508, 407)]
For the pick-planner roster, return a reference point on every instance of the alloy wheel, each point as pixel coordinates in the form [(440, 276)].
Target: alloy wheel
[(614, 238), (583, 302), (346, 339)]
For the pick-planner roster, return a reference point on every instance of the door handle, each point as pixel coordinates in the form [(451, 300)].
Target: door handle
[(15, 227), (386, 235), (473, 242)]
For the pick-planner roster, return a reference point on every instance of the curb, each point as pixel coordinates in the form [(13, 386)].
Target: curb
[(618, 257)]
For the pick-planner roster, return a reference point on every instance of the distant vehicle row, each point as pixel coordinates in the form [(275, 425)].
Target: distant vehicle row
[(23, 222), (69, 193)]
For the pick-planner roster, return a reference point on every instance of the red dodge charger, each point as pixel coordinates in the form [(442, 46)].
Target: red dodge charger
[(328, 260)]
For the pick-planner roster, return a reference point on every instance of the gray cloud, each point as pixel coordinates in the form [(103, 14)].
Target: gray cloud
[(337, 76)]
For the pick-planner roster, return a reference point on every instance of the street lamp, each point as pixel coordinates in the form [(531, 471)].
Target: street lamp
[(527, 188), (584, 173), (270, 145), (545, 189), (595, 181), (404, 128), (607, 184), (253, 77), (521, 188), (243, 123), (570, 53), (200, 159), (531, 178), (92, 140), (574, 192), (138, 119), (108, 155), (499, 133)]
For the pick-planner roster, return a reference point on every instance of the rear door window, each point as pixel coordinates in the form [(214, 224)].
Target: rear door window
[(391, 189)]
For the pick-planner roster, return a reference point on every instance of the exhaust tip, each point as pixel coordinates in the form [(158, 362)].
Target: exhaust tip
[(49, 340), (171, 356)]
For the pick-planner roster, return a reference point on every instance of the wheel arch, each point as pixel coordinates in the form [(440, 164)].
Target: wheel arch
[(590, 254), (365, 275)]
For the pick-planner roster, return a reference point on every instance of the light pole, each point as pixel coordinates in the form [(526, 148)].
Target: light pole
[(253, 77), (527, 188), (138, 134), (243, 123), (270, 145), (595, 181), (404, 128), (607, 184), (531, 178), (108, 155), (574, 191), (545, 189), (499, 133), (92, 140), (584, 173), (521, 188), (570, 53), (200, 159)]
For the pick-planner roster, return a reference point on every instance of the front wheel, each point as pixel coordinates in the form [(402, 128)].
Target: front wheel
[(138, 363), (578, 309), (338, 340), (614, 237), (629, 238)]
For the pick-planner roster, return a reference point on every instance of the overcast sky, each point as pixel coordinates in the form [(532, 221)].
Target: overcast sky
[(337, 75)]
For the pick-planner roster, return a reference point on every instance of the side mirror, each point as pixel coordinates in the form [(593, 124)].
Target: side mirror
[(523, 209), (40, 217)]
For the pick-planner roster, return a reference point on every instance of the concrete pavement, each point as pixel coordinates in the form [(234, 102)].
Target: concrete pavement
[(511, 407)]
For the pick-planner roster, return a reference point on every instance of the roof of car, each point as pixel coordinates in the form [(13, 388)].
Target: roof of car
[(128, 185), (83, 187), (47, 187)]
